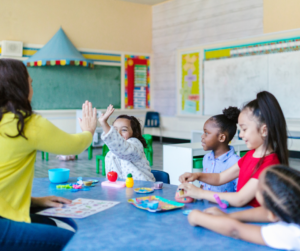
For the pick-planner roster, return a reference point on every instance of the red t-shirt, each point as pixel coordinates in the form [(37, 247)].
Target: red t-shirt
[(247, 165)]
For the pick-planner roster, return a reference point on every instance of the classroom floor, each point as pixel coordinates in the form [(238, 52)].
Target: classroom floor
[(87, 168)]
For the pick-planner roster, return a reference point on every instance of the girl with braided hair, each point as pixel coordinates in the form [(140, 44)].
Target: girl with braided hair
[(126, 144), (278, 193)]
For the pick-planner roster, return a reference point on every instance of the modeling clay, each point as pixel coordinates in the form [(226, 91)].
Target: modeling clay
[(79, 181), (63, 187), (153, 205), (179, 193), (158, 185), (88, 183), (186, 212), (222, 203), (77, 186)]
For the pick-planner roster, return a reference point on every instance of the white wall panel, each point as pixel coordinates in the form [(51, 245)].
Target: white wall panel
[(181, 23)]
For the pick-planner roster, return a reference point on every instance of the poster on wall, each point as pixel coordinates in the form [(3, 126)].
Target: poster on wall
[(190, 87), (137, 82)]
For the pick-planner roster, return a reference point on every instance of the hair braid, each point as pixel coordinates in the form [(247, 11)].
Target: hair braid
[(282, 193)]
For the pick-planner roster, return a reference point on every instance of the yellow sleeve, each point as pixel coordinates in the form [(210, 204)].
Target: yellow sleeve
[(45, 136)]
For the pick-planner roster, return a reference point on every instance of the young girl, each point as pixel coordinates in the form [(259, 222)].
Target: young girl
[(263, 128), (219, 130), (126, 144), (279, 194)]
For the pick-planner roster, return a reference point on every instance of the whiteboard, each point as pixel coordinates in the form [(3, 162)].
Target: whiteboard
[(284, 80), (235, 81)]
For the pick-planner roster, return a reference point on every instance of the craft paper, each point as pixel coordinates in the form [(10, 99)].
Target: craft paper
[(190, 106), (137, 75), (80, 208), (190, 86)]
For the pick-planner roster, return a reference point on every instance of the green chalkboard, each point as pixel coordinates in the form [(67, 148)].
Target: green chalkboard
[(67, 87)]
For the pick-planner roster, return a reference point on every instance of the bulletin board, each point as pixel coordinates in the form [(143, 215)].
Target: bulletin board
[(137, 82), (232, 72), (190, 84)]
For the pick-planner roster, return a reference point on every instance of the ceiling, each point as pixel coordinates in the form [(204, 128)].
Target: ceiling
[(148, 2)]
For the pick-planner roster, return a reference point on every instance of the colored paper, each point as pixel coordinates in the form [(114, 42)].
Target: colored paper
[(137, 75), (190, 84), (140, 75), (190, 106), (139, 98), (80, 208)]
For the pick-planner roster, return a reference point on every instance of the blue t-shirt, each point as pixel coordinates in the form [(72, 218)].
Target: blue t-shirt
[(212, 165)]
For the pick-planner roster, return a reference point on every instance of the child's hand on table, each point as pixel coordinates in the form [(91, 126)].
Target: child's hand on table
[(193, 217), (49, 201), (188, 177), (105, 116), (190, 190), (214, 211)]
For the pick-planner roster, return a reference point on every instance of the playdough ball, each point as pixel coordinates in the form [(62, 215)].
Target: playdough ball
[(183, 200), (112, 176)]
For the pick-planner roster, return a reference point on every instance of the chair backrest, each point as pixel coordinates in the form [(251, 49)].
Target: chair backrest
[(161, 176), (105, 150), (149, 139), (152, 119)]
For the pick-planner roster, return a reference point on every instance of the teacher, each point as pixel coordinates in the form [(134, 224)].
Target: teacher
[(22, 133)]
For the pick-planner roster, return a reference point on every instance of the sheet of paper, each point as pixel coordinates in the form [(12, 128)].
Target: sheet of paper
[(80, 208)]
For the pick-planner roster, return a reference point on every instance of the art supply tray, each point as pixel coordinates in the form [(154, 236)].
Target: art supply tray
[(164, 204)]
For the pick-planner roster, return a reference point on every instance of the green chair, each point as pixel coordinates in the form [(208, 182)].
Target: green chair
[(47, 156), (90, 152), (243, 153), (148, 150), (198, 162), (105, 150)]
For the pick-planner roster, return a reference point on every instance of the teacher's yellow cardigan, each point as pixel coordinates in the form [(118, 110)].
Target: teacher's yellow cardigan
[(17, 157)]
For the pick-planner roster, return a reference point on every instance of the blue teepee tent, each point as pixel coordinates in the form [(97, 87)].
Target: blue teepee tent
[(58, 51)]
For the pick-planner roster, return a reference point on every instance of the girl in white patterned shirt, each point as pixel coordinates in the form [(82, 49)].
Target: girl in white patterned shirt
[(126, 144)]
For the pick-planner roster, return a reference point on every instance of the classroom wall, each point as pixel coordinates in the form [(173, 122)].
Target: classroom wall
[(281, 15), (180, 23), (175, 24), (93, 24)]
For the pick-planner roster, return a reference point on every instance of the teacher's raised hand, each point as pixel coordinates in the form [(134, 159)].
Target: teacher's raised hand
[(89, 118)]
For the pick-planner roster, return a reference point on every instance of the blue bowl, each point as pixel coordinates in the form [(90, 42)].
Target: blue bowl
[(59, 175)]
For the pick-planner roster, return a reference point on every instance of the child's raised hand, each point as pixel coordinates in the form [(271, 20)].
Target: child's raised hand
[(214, 211), (190, 190), (104, 116)]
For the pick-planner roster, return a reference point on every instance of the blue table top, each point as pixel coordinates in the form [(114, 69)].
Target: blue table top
[(127, 226)]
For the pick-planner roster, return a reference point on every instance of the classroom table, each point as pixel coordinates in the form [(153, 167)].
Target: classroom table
[(124, 227), (178, 158)]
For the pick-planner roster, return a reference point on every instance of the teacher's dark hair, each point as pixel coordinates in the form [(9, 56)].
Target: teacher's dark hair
[(14, 92)]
